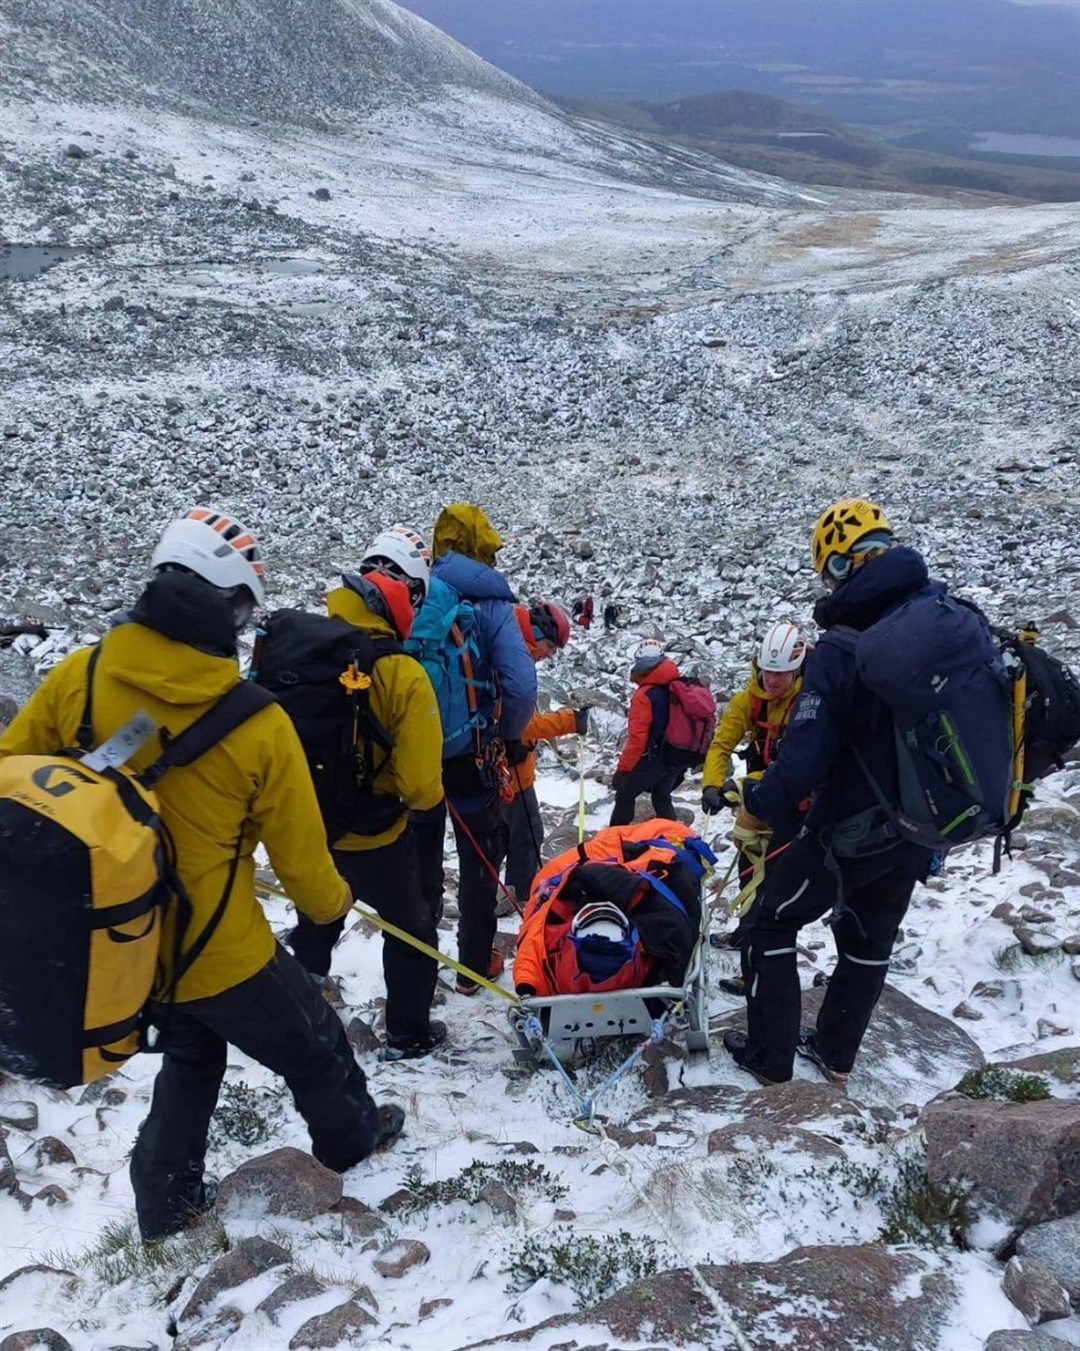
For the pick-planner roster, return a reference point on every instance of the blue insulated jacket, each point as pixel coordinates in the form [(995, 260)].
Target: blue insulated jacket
[(502, 640)]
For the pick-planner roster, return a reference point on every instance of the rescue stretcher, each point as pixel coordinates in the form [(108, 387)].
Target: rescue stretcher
[(571, 1021)]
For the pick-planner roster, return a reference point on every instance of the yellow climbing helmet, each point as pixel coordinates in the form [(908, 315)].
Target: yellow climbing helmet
[(843, 526)]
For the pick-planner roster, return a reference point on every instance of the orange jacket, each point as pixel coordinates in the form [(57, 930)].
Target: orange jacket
[(640, 727), (544, 726), (533, 964)]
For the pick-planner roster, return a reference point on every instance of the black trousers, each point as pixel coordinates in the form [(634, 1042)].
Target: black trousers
[(525, 835), (388, 880), (477, 882), (800, 886), (651, 776), (279, 1018)]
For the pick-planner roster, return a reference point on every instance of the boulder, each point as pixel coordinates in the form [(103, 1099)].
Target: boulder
[(303, 1285), (36, 1286), (1023, 1341), (360, 1220), (764, 1137), (22, 1116), (799, 1101), (212, 1334), (340, 1324), (1021, 1159), (36, 1339), (825, 1298), (250, 1258), (1056, 1244), (1034, 1291), (283, 1182), (51, 1150), (398, 1258)]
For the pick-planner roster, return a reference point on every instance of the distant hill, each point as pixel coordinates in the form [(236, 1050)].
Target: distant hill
[(771, 135)]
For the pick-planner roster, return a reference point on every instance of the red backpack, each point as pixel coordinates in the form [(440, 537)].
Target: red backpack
[(690, 725)]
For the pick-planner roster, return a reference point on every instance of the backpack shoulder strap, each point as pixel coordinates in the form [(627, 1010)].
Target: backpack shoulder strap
[(242, 702), (84, 737)]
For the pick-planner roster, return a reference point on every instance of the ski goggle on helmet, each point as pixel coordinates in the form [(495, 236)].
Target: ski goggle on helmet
[(846, 535), (604, 938), (403, 555), (782, 649), (221, 551)]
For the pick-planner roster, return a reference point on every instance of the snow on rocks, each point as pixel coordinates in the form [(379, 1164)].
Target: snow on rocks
[(1034, 1290), (1056, 1244), (284, 1182)]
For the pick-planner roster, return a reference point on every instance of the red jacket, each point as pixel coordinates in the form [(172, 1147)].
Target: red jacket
[(643, 711)]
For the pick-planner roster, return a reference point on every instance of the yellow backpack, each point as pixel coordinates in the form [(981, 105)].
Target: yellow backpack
[(85, 875)]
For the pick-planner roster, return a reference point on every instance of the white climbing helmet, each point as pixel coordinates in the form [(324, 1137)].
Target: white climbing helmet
[(216, 548), (782, 649), (648, 657), (403, 554), (601, 919)]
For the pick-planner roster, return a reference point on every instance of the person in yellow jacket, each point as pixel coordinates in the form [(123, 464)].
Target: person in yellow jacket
[(379, 859), (759, 715), (173, 658), (546, 630)]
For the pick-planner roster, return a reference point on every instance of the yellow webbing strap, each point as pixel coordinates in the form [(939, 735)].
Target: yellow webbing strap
[(267, 888), (754, 844)]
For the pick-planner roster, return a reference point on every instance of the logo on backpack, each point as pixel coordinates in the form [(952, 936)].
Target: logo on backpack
[(690, 725), (447, 641)]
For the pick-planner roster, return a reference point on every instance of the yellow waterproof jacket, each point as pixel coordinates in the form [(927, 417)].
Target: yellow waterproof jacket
[(751, 713), (404, 703), (254, 786), (465, 529)]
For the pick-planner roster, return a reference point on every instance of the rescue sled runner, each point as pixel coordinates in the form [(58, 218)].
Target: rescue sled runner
[(581, 976)]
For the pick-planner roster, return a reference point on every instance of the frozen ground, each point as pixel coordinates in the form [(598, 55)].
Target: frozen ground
[(654, 371)]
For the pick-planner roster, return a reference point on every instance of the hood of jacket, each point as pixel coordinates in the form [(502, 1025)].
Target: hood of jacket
[(351, 608), (465, 529), (877, 586), (174, 672), (663, 674), (473, 580), (185, 608)]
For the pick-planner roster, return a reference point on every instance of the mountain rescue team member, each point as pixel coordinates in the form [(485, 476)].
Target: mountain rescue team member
[(837, 724), (760, 711), (381, 867), (464, 545), (546, 630), (641, 767), (174, 657)]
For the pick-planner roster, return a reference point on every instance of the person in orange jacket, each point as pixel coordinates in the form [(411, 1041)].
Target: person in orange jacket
[(642, 768), (546, 630)]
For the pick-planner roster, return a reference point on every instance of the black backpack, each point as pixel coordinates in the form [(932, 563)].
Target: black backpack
[(320, 671), (1051, 708)]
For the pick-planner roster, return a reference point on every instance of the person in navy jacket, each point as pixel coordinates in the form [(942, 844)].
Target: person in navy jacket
[(845, 859), (464, 544)]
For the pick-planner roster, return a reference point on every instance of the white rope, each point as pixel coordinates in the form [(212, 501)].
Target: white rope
[(621, 1164)]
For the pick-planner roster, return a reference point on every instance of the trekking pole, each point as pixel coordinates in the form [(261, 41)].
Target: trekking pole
[(581, 788), (460, 820)]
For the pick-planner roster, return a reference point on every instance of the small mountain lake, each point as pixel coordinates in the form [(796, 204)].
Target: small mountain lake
[(1005, 143), (27, 260)]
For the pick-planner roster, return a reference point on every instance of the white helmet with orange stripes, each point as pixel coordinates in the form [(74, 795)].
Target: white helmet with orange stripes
[(216, 548)]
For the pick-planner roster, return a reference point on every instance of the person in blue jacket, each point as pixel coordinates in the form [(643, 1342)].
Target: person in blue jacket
[(845, 859), (503, 681)]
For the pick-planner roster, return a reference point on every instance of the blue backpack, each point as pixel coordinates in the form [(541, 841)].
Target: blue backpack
[(447, 641), (934, 664)]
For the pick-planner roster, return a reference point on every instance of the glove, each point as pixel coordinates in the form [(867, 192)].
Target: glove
[(525, 991), (711, 801), (618, 779), (732, 792), (581, 719)]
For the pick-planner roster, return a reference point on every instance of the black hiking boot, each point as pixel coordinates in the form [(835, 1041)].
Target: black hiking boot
[(735, 1045), (391, 1124), (732, 985), (807, 1047), (413, 1048)]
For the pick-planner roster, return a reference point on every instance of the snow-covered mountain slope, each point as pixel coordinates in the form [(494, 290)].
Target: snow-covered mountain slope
[(413, 282)]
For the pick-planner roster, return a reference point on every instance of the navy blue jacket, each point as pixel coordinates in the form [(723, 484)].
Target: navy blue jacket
[(835, 711), (511, 664)]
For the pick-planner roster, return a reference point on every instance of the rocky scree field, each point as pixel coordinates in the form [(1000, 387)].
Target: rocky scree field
[(326, 307)]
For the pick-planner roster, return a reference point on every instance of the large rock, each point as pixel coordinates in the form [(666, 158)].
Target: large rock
[(36, 1339), (797, 1102), (1056, 1244), (283, 1182), (340, 1324), (909, 1054), (1060, 1067), (1034, 1291), (250, 1258), (825, 1298), (1021, 1159), (762, 1137), (1023, 1341)]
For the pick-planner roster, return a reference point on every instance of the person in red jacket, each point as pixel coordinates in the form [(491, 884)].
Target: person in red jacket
[(642, 767)]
